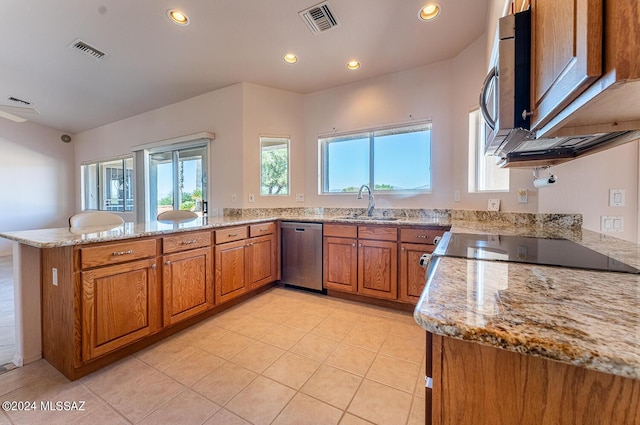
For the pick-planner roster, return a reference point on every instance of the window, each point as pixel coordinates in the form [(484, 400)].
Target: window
[(177, 179), (108, 185), (274, 165), (484, 174), (387, 160)]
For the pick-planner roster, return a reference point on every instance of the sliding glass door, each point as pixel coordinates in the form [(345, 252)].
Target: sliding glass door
[(177, 180)]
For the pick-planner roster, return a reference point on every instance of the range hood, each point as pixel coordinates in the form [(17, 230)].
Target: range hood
[(520, 148)]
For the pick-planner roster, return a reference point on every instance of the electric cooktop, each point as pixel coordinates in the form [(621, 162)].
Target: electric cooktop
[(530, 250)]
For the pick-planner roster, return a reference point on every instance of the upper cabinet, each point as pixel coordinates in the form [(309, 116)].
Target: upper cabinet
[(585, 75), (566, 53)]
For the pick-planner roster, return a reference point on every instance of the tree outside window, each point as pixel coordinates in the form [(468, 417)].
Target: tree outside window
[(274, 165)]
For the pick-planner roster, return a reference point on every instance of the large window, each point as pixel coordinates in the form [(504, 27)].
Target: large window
[(274, 165), (484, 174), (177, 179), (108, 185), (387, 160)]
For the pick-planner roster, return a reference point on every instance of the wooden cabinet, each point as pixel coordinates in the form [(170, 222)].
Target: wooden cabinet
[(483, 385), (413, 244), (361, 259), (566, 53), (187, 276), (246, 258), (119, 298)]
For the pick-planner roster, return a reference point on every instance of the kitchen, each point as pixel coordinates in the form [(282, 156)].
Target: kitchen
[(443, 91)]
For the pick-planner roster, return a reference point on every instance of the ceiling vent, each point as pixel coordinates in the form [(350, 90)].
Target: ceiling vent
[(80, 46), (319, 18)]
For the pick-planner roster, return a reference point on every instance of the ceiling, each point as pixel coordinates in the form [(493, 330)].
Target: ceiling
[(153, 62)]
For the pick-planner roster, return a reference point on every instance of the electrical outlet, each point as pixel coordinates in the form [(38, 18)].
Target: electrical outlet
[(522, 196), (299, 197), (234, 198), (252, 197), (493, 205), (456, 196), (54, 276)]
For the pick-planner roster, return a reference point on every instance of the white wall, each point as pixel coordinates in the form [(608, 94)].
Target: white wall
[(36, 178), (219, 112), (583, 187)]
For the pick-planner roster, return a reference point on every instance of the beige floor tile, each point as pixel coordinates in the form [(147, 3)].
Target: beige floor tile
[(404, 348), (201, 334), (332, 329), (224, 417), (4, 420), (304, 409), (275, 314), (408, 330), (186, 408), (112, 377), (351, 358), (292, 370), (38, 373), (228, 346), (376, 323), (261, 401), (419, 389), (380, 404), (417, 415), (397, 373), (349, 419), (231, 319), (224, 383), (165, 352), (283, 336), (192, 368), (136, 398), (333, 386), (254, 328), (315, 347), (365, 338), (303, 321), (258, 356)]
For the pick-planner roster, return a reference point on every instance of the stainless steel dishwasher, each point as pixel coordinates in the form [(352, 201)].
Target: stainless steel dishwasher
[(302, 254)]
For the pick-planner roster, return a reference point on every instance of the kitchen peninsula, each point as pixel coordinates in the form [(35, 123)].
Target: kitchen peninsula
[(602, 337)]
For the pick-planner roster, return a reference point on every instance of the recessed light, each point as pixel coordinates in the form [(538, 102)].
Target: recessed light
[(353, 65), (429, 11), (178, 17), (290, 58)]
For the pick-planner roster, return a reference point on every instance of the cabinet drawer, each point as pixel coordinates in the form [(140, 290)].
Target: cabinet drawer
[(116, 253), (185, 241), (340, 230), (262, 229), (378, 233), (424, 236), (231, 234)]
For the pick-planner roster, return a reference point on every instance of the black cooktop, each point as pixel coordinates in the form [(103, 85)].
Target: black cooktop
[(531, 250)]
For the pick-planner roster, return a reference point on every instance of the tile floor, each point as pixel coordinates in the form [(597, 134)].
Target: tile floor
[(7, 315), (282, 357)]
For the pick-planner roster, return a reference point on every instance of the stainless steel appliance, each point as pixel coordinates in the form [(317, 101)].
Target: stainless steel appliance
[(302, 255), (505, 106)]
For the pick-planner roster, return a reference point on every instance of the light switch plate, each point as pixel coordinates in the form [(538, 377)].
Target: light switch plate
[(616, 197), (522, 196), (299, 197), (611, 223), (494, 205), (252, 197)]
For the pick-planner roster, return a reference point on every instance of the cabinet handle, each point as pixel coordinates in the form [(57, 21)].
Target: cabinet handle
[(353, 244), (263, 230), (153, 267), (428, 382), (118, 253), (360, 245), (167, 263), (422, 236), (402, 249), (232, 235), (191, 242)]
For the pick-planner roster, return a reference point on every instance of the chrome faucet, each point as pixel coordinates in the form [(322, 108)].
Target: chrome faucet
[(371, 205)]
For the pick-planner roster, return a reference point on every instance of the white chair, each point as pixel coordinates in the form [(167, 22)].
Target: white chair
[(95, 218), (177, 216)]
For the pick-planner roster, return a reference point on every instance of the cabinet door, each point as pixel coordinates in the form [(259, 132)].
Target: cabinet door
[(412, 275), (340, 264), (231, 279), (118, 306), (378, 269), (566, 56), (187, 284), (261, 257)]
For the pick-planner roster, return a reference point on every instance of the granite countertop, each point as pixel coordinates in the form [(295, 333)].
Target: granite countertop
[(585, 318)]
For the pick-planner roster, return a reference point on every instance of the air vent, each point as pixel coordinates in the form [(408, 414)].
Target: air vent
[(319, 18), (88, 50), (16, 100)]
